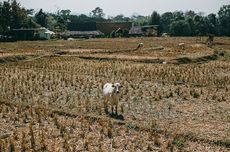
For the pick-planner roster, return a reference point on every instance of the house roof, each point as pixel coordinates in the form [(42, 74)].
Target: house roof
[(108, 27), (81, 26), (27, 29), (34, 29), (49, 32), (69, 33), (150, 26), (104, 27)]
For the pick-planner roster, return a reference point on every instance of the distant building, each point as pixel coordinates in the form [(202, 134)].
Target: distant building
[(46, 34), (81, 34), (31, 34), (95, 29), (81, 26), (109, 27), (150, 30), (102, 27), (136, 31)]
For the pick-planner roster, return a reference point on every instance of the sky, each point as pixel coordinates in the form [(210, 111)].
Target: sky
[(125, 7)]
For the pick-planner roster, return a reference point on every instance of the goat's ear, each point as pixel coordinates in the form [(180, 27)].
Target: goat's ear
[(113, 85), (121, 86)]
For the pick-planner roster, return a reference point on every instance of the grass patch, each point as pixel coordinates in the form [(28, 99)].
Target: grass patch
[(224, 55), (179, 142), (130, 126)]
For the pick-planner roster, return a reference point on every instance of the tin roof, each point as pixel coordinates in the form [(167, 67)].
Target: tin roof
[(68, 33)]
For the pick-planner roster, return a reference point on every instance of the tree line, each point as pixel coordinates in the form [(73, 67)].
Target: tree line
[(178, 23)]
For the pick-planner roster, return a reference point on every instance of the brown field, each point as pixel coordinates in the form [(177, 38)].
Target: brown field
[(51, 95)]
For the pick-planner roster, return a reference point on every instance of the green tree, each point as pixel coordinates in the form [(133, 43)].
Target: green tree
[(51, 21), (178, 15), (97, 13), (65, 12), (224, 20), (180, 28), (120, 18), (189, 20), (30, 23), (155, 19), (211, 23), (140, 20), (18, 15), (41, 18), (199, 25), (5, 15), (30, 11), (190, 14), (166, 19), (60, 25), (1, 19), (12, 15)]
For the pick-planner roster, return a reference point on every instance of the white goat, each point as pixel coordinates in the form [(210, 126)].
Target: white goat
[(111, 94), (181, 46), (164, 62)]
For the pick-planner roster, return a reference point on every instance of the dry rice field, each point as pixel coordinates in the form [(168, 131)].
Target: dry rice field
[(173, 99)]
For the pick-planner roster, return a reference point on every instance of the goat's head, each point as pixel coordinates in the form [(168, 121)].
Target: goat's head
[(117, 87)]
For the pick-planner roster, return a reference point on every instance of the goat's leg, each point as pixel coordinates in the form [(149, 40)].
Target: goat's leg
[(105, 104), (116, 109), (112, 109)]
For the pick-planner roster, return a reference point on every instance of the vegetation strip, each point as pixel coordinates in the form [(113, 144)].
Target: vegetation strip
[(137, 127), (101, 75)]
